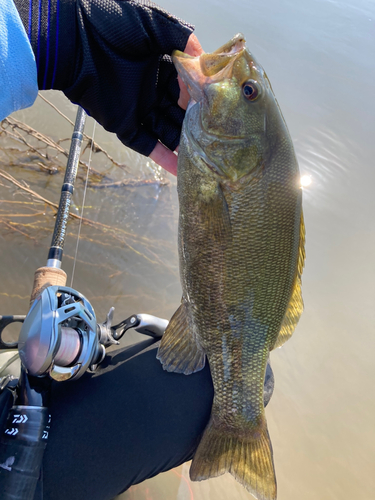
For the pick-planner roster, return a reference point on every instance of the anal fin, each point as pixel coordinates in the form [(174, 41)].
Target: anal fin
[(179, 350)]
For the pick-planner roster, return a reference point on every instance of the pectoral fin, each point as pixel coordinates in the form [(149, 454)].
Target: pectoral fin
[(179, 350), (295, 306), (215, 216)]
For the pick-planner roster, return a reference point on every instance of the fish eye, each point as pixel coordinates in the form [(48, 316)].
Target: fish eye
[(251, 90)]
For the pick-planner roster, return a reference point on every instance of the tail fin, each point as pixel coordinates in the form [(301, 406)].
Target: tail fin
[(248, 459)]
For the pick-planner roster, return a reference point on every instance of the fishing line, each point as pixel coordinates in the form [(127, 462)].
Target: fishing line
[(83, 203)]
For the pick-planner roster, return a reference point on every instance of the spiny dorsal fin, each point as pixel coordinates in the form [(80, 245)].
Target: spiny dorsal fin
[(179, 350), (295, 306)]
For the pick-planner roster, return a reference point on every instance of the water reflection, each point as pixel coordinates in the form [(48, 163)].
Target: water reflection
[(305, 180)]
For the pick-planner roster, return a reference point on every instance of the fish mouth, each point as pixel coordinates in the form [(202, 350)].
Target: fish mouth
[(212, 63), (235, 44), (197, 72)]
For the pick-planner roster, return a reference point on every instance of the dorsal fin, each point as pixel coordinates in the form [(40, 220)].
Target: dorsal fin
[(295, 306)]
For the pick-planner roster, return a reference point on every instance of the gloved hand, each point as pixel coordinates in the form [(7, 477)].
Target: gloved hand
[(112, 57)]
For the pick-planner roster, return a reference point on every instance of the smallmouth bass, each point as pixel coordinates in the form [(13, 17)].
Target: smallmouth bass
[(241, 249)]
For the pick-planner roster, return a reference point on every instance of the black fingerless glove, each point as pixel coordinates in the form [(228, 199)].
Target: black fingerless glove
[(112, 57)]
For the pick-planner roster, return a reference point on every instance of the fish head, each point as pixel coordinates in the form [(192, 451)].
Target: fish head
[(235, 106)]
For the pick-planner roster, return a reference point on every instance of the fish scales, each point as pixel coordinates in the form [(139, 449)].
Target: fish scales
[(247, 296), (241, 255)]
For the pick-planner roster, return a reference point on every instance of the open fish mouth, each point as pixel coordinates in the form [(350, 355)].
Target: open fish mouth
[(214, 62), (234, 45), (197, 72)]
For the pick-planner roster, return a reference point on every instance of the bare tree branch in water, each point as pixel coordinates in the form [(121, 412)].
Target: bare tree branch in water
[(17, 127), (96, 147), (43, 153), (117, 234)]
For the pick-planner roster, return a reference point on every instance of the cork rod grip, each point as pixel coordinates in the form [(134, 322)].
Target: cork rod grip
[(45, 277)]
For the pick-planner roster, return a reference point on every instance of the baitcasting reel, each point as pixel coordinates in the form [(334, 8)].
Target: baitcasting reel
[(60, 337)]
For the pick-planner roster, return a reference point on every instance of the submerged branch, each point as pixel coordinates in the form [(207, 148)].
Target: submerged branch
[(96, 147), (15, 124), (132, 183), (117, 234), (13, 227)]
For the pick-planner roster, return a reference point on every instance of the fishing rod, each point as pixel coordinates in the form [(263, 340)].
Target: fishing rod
[(59, 340)]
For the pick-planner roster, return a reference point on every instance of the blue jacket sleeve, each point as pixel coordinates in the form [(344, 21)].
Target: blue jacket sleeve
[(18, 74)]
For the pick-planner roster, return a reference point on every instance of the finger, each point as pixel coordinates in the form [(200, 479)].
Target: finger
[(193, 48), (183, 100), (165, 158)]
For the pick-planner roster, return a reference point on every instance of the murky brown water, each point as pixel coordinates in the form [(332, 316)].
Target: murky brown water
[(126, 256), (319, 58)]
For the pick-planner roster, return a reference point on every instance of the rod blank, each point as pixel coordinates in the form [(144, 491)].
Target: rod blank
[(58, 239)]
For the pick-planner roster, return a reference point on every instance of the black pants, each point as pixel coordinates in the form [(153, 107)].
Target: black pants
[(123, 424)]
